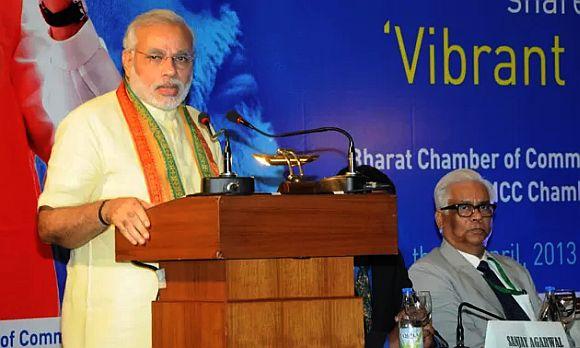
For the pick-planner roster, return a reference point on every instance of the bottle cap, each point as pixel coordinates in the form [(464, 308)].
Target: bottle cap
[(550, 289), (407, 291)]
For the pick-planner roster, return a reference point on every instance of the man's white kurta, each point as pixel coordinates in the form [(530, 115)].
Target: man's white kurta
[(108, 304)]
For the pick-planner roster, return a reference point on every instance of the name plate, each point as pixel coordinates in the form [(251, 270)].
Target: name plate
[(522, 334)]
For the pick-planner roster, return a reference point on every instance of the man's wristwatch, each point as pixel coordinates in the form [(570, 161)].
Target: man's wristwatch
[(75, 13)]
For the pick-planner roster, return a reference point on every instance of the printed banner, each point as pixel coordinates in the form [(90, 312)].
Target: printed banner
[(424, 87)]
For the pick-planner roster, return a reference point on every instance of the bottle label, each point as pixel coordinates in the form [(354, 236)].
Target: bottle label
[(411, 337)]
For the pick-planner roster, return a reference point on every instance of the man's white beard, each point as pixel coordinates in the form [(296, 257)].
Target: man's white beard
[(148, 95)]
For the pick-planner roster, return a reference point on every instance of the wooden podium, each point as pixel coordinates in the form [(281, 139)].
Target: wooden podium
[(263, 270)]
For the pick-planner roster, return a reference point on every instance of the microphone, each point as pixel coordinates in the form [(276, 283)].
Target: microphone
[(204, 119), (353, 182), (228, 182), (234, 116), (460, 331)]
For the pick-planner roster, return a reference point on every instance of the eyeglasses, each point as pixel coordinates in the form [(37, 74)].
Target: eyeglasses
[(180, 61), (467, 209)]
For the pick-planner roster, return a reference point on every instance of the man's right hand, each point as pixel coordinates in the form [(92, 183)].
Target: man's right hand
[(129, 217)]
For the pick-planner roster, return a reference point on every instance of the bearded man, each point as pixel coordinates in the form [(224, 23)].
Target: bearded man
[(114, 157)]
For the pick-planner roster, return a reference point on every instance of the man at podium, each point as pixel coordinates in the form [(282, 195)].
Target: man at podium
[(461, 270), (114, 157)]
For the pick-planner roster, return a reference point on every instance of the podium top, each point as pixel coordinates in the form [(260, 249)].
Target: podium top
[(267, 226)]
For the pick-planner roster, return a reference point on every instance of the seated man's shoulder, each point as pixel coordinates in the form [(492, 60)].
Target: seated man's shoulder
[(432, 272), (432, 260)]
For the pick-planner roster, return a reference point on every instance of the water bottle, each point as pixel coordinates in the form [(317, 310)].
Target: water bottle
[(549, 309), (410, 328)]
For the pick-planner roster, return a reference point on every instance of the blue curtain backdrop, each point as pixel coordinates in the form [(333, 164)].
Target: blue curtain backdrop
[(423, 86)]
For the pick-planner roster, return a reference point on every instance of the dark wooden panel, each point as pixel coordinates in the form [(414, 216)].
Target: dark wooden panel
[(268, 226), (194, 280), (301, 323), (316, 277), (255, 297), (188, 324), (223, 280), (253, 279), (312, 323), (290, 278), (308, 225)]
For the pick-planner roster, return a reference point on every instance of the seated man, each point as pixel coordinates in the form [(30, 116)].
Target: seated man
[(461, 270)]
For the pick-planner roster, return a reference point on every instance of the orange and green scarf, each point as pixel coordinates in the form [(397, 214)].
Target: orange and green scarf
[(159, 167)]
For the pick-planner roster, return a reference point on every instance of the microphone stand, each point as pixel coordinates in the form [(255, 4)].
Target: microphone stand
[(227, 182), (227, 158), (460, 330)]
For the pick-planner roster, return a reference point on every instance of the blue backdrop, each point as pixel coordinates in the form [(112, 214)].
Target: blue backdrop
[(423, 86)]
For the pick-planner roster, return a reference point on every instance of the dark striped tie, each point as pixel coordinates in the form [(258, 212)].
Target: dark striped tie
[(511, 308)]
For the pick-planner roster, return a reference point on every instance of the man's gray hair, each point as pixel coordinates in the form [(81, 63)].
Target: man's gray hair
[(441, 194), (152, 17)]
